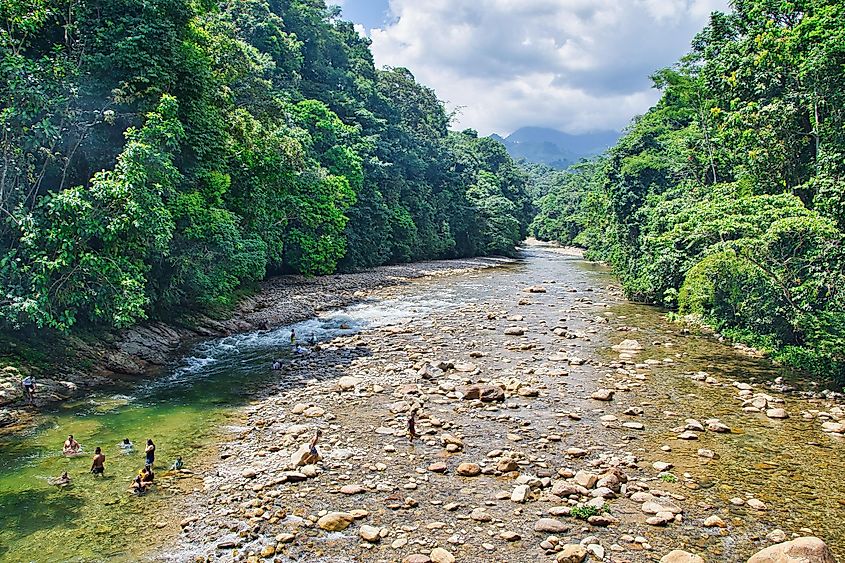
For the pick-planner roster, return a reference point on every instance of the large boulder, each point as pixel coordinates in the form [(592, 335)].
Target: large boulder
[(808, 549)]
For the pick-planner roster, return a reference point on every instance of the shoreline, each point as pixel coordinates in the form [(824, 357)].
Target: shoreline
[(143, 351)]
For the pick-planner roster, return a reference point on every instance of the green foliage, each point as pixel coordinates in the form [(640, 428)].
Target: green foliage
[(725, 200), (584, 512), (669, 478), (160, 155)]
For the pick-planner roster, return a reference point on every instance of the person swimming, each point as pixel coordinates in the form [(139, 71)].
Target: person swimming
[(62, 481), (126, 446), (177, 465), (71, 446), (98, 466), (312, 340)]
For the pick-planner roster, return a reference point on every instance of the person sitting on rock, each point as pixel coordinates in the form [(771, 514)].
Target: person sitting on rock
[(138, 486), (277, 365), (98, 466), (147, 476), (71, 446), (126, 446), (177, 465)]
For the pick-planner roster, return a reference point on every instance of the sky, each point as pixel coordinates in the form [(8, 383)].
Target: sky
[(572, 65)]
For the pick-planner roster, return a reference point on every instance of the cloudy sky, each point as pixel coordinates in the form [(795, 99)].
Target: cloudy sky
[(574, 65)]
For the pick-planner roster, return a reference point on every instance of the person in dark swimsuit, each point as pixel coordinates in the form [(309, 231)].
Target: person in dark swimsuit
[(313, 445), (71, 446), (98, 466), (138, 486), (292, 337), (412, 425), (150, 453)]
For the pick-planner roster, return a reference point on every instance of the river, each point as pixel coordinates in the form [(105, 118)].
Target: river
[(790, 464)]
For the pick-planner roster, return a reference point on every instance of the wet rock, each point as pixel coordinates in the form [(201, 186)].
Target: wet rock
[(468, 469), (335, 521), (757, 504), (550, 526), (571, 553), (438, 467), (679, 556), (688, 435), (628, 345), (716, 425), (777, 413), (714, 522), (535, 289), (653, 507), (802, 550), (602, 395), (776, 536)]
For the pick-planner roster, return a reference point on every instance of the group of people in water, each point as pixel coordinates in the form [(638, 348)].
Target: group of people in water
[(297, 349), (139, 484)]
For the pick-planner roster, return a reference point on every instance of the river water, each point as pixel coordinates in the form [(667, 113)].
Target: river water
[(790, 464)]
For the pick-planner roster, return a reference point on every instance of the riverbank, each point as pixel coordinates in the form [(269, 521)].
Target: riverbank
[(74, 366), (556, 420)]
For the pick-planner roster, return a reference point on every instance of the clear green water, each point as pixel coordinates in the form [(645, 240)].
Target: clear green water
[(183, 411)]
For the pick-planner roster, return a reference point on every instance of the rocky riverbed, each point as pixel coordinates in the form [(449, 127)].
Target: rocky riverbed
[(556, 422), (72, 366)]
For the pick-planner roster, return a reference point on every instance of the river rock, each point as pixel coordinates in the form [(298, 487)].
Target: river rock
[(714, 522), (653, 507), (370, 533), (571, 553), (514, 331), (586, 479), (602, 395), (485, 393), (550, 526), (348, 382), (801, 550), (335, 521), (679, 556), (757, 504), (777, 413), (303, 456), (468, 469), (535, 289), (520, 493), (440, 555)]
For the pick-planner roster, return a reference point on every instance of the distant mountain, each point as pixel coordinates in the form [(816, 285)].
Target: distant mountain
[(556, 148)]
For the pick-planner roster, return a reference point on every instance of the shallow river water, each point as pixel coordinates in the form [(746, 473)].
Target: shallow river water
[(791, 464)]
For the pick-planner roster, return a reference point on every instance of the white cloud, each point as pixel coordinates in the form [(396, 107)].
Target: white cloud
[(575, 65)]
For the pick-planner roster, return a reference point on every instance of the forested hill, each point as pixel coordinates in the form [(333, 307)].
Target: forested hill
[(159, 154), (727, 199)]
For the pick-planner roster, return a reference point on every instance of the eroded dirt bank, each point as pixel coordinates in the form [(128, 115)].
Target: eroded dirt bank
[(601, 431)]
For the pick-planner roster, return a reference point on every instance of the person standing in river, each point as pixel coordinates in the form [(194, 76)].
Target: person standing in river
[(98, 466), (292, 337), (150, 453)]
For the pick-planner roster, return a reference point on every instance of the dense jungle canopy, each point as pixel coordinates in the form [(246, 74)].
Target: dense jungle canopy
[(160, 155), (726, 201)]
